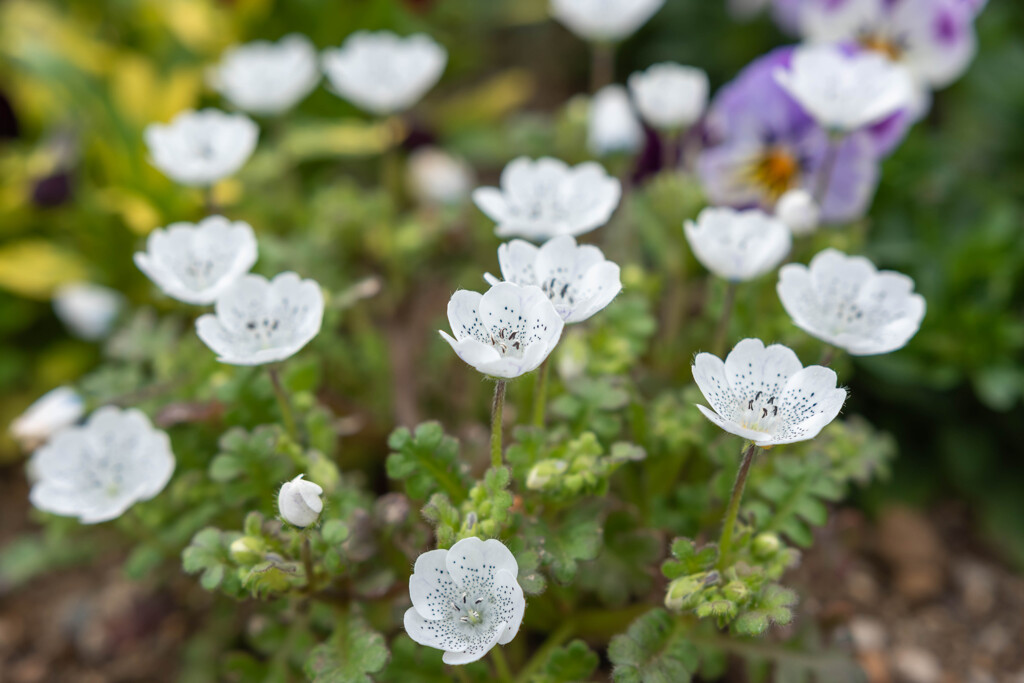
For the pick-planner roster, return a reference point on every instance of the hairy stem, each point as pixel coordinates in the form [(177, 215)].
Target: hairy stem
[(828, 167), (562, 634), (541, 395), (722, 329), (501, 669), (733, 511), (283, 403), (497, 416), (307, 560), (602, 65)]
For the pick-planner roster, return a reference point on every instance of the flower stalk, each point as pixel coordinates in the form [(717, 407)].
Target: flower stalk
[(733, 510), (541, 394), (501, 669), (722, 329), (283, 403), (497, 418), (602, 65)]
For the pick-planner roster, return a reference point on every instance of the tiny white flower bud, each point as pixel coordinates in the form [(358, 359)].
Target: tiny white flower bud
[(299, 502), (798, 210)]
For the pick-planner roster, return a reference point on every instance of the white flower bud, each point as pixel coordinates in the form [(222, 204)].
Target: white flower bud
[(299, 502), (55, 410), (798, 210)]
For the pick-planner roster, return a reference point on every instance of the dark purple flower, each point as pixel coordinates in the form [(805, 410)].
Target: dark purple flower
[(761, 143)]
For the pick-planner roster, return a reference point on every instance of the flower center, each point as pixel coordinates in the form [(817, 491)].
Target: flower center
[(470, 610), (761, 412), (776, 171), (506, 341), (891, 48)]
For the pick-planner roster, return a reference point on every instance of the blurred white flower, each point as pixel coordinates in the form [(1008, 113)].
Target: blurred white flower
[(842, 92), (845, 301), (766, 395), (89, 311), (604, 20), (612, 126), (267, 78), (383, 73), (545, 198), (797, 209), (436, 177), (577, 278), (670, 96), (738, 245), (201, 147), (98, 470), (505, 333), (196, 263), (465, 600), (257, 321), (299, 502), (51, 412)]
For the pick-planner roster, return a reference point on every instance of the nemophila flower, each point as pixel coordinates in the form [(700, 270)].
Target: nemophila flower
[(577, 278), (545, 198), (761, 144), (383, 73), (299, 502), (845, 301), (612, 126), (437, 177), (934, 39), (604, 20), (670, 96), (799, 211), (51, 412), (268, 78), (465, 600), (195, 263), (258, 321), (98, 470), (89, 311), (765, 395), (506, 332), (738, 245), (201, 147), (846, 92)]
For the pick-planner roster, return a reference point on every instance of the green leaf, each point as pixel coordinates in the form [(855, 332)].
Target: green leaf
[(576, 539), (427, 461), (568, 664), (689, 559), (653, 650), (353, 651)]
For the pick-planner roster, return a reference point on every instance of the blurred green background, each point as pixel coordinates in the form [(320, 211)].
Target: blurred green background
[(80, 79)]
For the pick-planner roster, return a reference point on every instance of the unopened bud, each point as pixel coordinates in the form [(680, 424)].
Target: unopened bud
[(798, 210), (766, 544), (299, 502), (544, 472), (247, 550)]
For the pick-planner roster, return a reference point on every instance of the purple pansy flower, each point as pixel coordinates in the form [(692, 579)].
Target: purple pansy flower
[(934, 39), (761, 143)]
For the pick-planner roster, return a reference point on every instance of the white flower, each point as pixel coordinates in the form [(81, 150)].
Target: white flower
[(196, 263), (738, 245), (299, 502), (670, 96), (384, 73), (845, 301), (257, 321), (52, 412), (97, 471), (604, 20), (268, 78), (797, 209), (846, 92), (201, 147), (465, 600), (577, 278), (507, 332), (613, 127), (88, 310), (766, 395), (545, 198), (436, 177)]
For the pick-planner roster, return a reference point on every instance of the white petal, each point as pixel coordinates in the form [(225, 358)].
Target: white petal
[(472, 562), (809, 402), (733, 427), (754, 369), (475, 651), (709, 374), (436, 633), (430, 586), (511, 604)]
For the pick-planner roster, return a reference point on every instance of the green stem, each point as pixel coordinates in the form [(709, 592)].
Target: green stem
[(562, 634), (283, 403), (828, 354), (307, 561), (722, 329), (828, 167), (460, 673), (210, 201), (541, 396), (501, 664), (497, 416), (733, 510), (602, 65)]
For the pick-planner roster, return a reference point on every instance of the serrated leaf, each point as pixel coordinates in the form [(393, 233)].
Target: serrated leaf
[(353, 651), (568, 664), (427, 461), (653, 650)]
